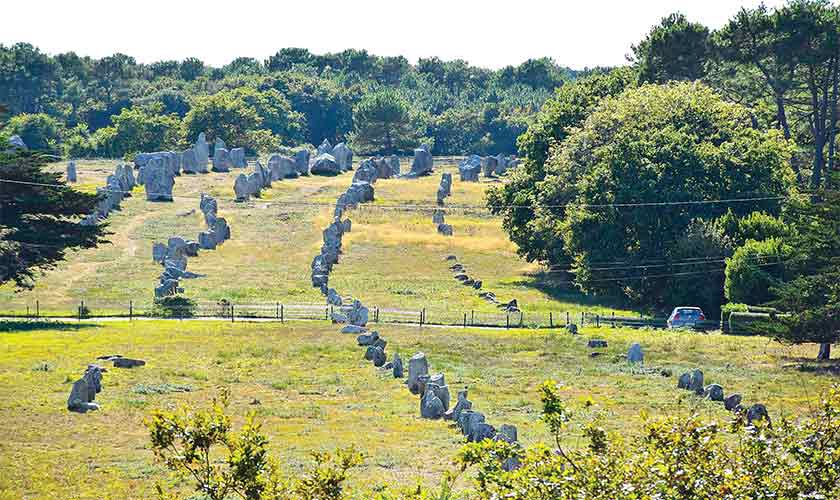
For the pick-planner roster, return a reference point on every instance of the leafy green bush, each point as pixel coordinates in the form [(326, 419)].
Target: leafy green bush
[(174, 306), (754, 323), (202, 447), (674, 458), (754, 269), (39, 131)]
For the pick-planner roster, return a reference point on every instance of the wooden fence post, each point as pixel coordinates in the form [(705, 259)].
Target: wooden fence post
[(131, 310), (613, 319), (276, 310), (465, 320), (232, 312), (550, 320), (37, 308), (472, 317), (282, 313), (507, 319), (520, 319)]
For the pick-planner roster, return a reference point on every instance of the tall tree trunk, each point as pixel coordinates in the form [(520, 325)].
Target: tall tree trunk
[(832, 130), (825, 352), (781, 115)]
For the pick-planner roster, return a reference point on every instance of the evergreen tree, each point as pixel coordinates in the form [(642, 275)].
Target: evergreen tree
[(39, 222)]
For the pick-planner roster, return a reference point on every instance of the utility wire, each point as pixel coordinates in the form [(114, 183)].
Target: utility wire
[(454, 207)]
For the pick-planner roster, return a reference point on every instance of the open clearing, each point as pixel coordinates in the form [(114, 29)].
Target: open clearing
[(316, 392), (392, 259)]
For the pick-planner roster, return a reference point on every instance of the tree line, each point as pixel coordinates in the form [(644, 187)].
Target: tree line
[(114, 106), (704, 172)]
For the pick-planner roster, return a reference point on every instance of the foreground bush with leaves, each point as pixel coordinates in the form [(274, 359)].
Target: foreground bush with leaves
[(202, 447), (674, 458)]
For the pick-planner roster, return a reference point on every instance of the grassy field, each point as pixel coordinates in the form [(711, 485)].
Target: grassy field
[(392, 259), (317, 393)]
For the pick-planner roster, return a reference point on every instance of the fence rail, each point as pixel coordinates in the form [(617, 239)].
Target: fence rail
[(280, 311)]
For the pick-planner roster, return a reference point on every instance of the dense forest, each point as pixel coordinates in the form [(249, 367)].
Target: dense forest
[(115, 106)]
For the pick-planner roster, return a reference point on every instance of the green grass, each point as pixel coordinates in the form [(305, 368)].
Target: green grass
[(316, 392), (392, 259)]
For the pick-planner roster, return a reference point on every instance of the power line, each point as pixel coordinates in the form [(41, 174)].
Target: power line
[(410, 207)]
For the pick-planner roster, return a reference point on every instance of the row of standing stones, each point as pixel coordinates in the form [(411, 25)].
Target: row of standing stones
[(444, 191), (435, 398), (117, 186), (693, 381), (460, 273), (173, 255), (490, 166)]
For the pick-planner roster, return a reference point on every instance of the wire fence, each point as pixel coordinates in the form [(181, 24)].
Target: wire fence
[(282, 311)]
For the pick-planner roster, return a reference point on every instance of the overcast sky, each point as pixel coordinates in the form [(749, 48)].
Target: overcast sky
[(487, 33)]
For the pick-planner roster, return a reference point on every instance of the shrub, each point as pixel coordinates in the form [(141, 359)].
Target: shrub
[(175, 306), (754, 269), (39, 131), (753, 323), (675, 458), (240, 467)]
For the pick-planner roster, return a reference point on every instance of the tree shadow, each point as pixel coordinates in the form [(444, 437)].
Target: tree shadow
[(16, 326), (564, 291), (810, 365)]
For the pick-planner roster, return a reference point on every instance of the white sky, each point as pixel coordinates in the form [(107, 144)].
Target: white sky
[(487, 33)]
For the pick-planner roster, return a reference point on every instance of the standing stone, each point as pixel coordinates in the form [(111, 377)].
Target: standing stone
[(757, 412), (444, 229), (333, 298), (255, 184), (635, 354), (159, 252), (343, 156), (713, 392), (242, 188), (302, 162), (684, 382), (488, 165), (375, 354), (695, 385), (501, 164), (446, 184), (202, 153), (158, 181), (71, 172), (189, 162), (417, 366), (394, 161), (282, 167), (422, 164), (324, 148), (397, 366), (469, 168), (220, 144), (438, 217), (237, 158), (358, 314), (325, 164), (430, 405), (462, 404), (732, 401), (221, 160)]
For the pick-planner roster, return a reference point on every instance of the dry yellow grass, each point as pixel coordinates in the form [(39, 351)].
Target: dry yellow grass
[(392, 259)]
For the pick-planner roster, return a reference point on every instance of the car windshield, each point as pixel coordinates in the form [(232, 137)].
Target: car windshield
[(691, 313)]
